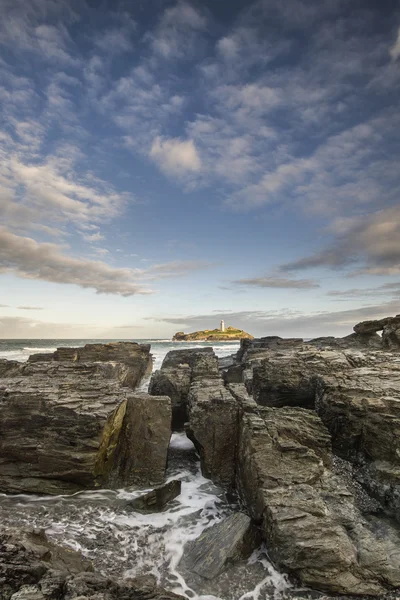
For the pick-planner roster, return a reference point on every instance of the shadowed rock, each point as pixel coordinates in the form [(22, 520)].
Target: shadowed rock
[(220, 546)]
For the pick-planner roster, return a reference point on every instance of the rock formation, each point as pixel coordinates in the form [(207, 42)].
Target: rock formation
[(32, 568), (282, 409), (220, 546), (72, 423)]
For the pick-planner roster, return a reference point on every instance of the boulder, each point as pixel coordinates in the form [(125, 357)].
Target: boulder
[(67, 426), (218, 547), (33, 568), (309, 519), (157, 499)]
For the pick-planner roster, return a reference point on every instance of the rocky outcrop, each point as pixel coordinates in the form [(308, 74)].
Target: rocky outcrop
[(217, 548), (309, 520), (361, 408), (67, 426), (213, 427), (73, 422), (174, 379), (133, 361), (33, 568)]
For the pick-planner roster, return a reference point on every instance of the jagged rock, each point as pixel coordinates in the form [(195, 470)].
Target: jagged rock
[(33, 568), (378, 325), (157, 499), (218, 547), (133, 361), (134, 444), (213, 426), (66, 427), (391, 335), (178, 369), (361, 408), (309, 520), (354, 340), (175, 383)]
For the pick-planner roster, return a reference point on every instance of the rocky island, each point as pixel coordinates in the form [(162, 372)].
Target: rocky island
[(222, 334)]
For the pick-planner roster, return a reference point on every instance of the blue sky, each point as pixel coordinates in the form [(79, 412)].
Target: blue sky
[(164, 165)]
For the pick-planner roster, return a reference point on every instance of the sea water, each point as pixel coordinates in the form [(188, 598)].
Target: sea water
[(124, 543)]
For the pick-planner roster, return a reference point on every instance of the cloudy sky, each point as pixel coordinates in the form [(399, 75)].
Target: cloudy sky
[(167, 164)]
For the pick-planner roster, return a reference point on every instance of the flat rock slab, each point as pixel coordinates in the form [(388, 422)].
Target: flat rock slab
[(218, 547), (157, 499)]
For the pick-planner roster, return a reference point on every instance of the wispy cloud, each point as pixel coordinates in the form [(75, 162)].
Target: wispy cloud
[(30, 307), (177, 31), (370, 245), (278, 283), (48, 262), (32, 260), (395, 49)]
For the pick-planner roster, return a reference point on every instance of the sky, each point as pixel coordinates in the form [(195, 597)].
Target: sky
[(165, 165)]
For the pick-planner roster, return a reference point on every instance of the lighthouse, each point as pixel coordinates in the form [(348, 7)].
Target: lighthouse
[(222, 326)]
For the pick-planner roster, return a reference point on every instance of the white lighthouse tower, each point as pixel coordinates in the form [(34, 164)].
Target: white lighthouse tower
[(222, 326)]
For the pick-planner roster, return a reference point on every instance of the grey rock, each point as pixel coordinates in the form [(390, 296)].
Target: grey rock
[(63, 432), (33, 568), (310, 522), (220, 546), (157, 499), (213, 428), (175, 383), (178, 369), (378, 325)]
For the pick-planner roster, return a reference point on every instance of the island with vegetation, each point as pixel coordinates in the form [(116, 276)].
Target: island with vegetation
[(211, 335)]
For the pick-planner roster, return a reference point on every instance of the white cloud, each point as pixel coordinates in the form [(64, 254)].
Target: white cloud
[(174, 156), (395, 49), (177, 32)]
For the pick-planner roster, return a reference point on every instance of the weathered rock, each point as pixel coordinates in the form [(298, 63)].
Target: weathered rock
[(378, 325), (213, 428), (134, 444), (157, 499), (33, 568), (66, 427), (361, 408), (178, 369), (132, 361), (391, 335), (354, 340), (175, 383), (309, 519), (220, 546)]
